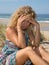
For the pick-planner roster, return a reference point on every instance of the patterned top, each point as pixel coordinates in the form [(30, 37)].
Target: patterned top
[(8, 53)]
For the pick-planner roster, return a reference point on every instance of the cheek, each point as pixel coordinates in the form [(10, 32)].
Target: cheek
[(25, 25)]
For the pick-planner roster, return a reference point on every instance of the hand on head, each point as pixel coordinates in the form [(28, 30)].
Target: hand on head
[(24, 21)]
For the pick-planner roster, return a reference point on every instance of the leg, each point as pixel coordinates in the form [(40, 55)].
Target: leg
[(26, 53), (44, 53), (21, 57)]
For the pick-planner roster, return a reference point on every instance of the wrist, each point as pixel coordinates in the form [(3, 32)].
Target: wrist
[(19, 29)]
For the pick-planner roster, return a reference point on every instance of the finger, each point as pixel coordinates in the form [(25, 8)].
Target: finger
[(32, 21), (23, 18)]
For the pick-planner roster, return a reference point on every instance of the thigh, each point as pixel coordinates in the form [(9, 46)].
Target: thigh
[(21, 57), (18, 57)]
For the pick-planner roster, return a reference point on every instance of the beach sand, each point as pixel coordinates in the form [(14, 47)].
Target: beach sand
[(44, 29), (46, 35)]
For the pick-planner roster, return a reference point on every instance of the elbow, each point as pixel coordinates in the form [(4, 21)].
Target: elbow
[(8, 32)]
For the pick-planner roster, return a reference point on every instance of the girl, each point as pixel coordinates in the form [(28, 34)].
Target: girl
[(16, 50)]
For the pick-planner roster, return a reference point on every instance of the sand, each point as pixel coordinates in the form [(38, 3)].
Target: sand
[(46, 35)]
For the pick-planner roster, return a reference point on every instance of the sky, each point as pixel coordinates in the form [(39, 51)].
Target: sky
[(9, 6)]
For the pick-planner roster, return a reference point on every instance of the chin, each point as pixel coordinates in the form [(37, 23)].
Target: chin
[(24, 28)]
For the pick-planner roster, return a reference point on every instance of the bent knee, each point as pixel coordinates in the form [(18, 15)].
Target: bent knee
[(29, 48)]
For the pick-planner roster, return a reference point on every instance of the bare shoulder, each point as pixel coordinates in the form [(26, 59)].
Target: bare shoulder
[(10, 32)]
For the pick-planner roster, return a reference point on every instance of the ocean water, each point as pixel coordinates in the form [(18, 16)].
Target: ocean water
[(5, 15), (39, 17), (43, 17)]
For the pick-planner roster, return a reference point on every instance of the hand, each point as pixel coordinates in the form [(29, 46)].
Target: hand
[(34, 22), (21, 19)]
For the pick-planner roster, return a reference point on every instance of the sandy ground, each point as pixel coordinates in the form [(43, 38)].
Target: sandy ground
[(46, 35)]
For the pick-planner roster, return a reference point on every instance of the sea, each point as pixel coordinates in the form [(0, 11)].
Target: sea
[(39, 17)]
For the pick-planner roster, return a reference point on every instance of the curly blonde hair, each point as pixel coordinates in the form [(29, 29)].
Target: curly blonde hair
[(27, 10)]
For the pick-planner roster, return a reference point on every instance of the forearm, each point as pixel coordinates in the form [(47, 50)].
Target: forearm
[(21, 38), (37, 35), (31, 37), (13, 37)]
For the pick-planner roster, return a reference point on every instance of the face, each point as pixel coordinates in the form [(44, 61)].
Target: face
[(25, 25)]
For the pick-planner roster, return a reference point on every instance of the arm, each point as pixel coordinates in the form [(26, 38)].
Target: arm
[(37, 35), (21, 37), (12, 36), (31, 37)]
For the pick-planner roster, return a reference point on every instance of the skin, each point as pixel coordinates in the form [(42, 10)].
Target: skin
[(36, 24), (19, 40), (44, 53), (25, 25)]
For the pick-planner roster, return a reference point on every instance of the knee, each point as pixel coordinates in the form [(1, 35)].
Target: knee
[(29, 48)]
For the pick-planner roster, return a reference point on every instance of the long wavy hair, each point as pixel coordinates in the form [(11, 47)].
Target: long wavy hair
[(26, 10)]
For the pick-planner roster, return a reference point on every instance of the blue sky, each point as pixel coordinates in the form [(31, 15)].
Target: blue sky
[(9, 6)]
